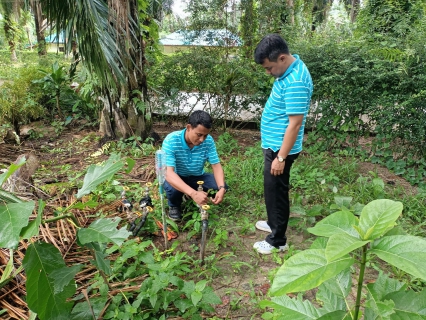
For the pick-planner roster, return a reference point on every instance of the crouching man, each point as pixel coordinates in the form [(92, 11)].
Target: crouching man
[(187, 151)]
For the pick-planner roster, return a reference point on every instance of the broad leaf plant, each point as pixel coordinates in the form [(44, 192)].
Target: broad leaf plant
[(330, 264)]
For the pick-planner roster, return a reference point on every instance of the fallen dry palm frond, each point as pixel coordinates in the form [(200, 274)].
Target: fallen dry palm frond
[(62, 234)]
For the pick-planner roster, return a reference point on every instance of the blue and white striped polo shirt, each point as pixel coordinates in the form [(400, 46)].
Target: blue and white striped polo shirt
[(290, 95), (186, 161)]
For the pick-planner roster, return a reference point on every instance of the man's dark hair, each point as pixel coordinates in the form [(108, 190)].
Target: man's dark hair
[(271, 46), (200, 117)]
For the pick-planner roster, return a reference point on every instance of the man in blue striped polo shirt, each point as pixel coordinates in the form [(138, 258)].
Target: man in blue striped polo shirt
[(282, 128), (187, 151)]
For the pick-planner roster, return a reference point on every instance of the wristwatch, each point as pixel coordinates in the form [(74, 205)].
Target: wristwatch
[(280, 159), (221, 187)]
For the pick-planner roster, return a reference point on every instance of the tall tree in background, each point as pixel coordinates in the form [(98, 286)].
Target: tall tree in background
[(212, 14), (319, 10), (40, 26), (355, 6), (26, 23), (110, 42), (249, 26), (11, 10)]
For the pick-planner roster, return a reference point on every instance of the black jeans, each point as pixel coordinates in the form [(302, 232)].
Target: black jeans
[(276, 197)]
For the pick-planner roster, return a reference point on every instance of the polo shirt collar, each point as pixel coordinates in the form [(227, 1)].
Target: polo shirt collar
[(184, 144), (290, 67)]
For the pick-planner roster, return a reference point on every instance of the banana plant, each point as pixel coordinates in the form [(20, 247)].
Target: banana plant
[(328, 262), (55, 83)]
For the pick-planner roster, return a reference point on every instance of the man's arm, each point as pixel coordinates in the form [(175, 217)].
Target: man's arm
[(290, 137), (176, 182), (219, 177)]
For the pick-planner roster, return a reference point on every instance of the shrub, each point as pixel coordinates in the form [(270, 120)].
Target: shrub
[(19, 100)]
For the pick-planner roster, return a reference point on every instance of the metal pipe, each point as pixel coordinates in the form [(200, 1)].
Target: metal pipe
[(160, 169), (204, 229)]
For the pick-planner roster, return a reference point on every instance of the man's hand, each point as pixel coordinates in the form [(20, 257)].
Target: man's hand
[(218, 196), (200, 197), (277, 168)]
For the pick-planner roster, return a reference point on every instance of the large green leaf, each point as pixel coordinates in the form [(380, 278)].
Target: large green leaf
[(8, 197), (378, 217), (13, 217), (209, 296), (339, 287), (63, 276), (409, 305), (292, 309), (98, 252), (338, 222), (336, 315), (306, 270), (196, 297), (376, 306), (32, 229), (319, 243), (82, 310), (103, 230), (407, 253), (41, 259), (330, 301), (96, 174), (183, 304), (379, 309), (102, 263), (384, 285), (341, 244)]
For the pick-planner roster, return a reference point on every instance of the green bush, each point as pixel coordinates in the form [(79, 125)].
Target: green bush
[(376, 91), (20, 99), (26, 59), (226, 85)]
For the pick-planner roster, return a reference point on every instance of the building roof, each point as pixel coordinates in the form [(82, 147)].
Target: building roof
[(54, 38), (210, 37)]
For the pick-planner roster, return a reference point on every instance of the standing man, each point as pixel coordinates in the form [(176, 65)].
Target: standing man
[(282, 128), (187, 151)]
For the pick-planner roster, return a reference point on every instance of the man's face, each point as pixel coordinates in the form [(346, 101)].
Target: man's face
[(276, 69), (195, 136)]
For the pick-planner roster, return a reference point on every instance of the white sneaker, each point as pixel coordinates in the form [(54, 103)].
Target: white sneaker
[(263, 225), (265, 248)]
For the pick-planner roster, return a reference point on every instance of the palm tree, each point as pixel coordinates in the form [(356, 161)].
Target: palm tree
[(111, 46)]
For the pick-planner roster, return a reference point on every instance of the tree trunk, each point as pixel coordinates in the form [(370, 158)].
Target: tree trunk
[(290, 8), (39, 26), (248, 22), (27, 30), (134, 117), (354, 10)]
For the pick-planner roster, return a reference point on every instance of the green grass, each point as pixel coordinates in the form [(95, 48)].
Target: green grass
[(26, 59)]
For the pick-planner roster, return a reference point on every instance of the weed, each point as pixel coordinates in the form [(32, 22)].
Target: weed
[(226, 145)]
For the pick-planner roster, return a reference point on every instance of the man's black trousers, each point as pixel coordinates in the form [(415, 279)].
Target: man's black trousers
[(276, 197)]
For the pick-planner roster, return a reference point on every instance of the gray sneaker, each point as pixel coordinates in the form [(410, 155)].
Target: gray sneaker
[(175, 213), (263, 225)]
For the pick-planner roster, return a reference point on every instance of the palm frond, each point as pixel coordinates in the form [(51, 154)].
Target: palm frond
[(87, 23)]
